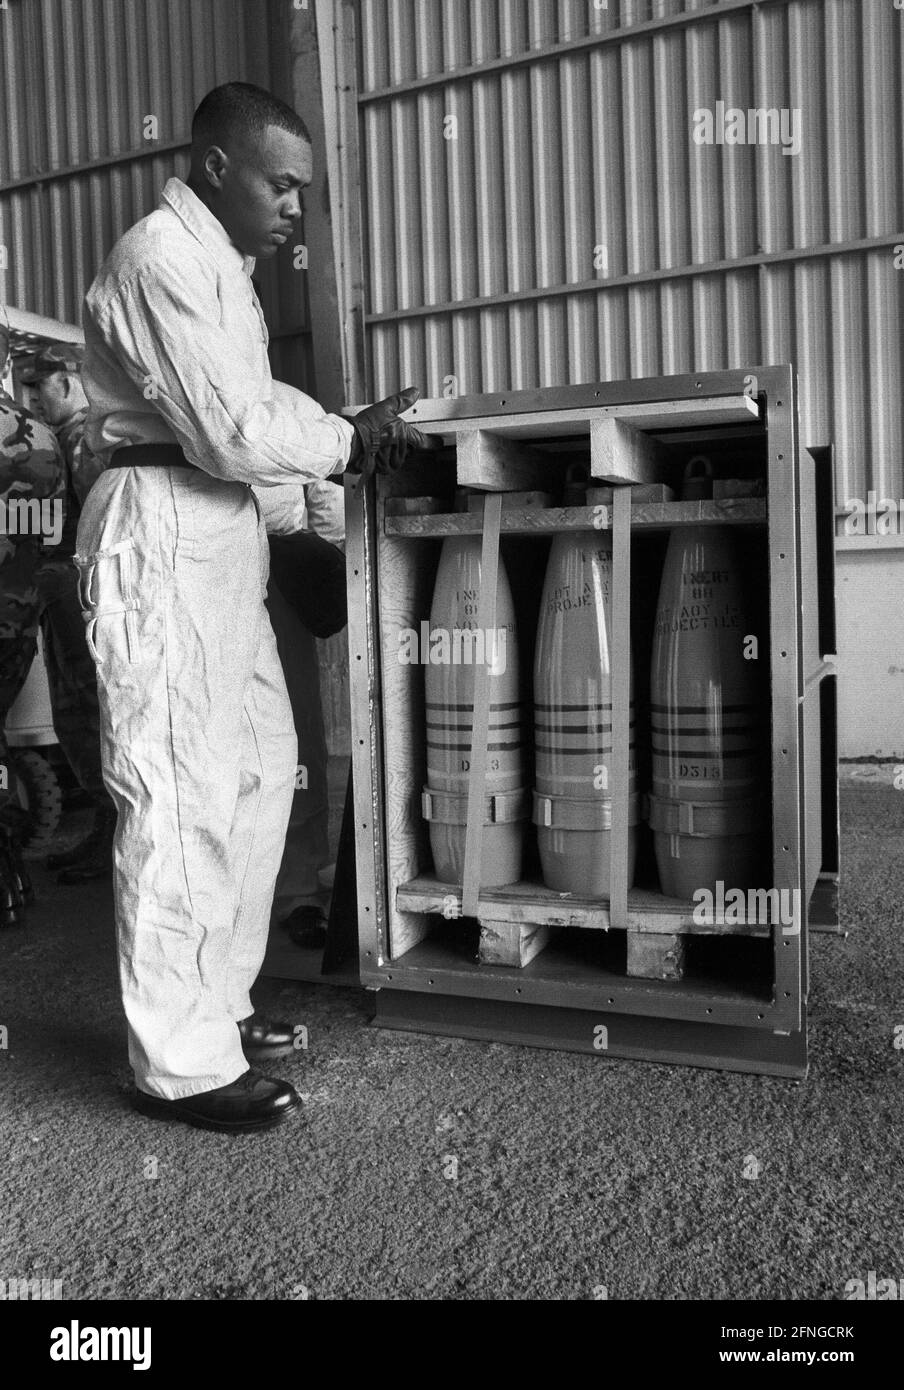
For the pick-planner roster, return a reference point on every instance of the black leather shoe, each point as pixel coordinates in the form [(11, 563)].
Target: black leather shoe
[(307, 927), (263, 1040), (251, 1103)]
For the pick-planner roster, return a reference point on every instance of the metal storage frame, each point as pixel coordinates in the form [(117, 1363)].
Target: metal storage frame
[(424, 983)]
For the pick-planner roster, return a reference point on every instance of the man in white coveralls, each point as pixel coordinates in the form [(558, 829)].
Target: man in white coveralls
[(198, 747)]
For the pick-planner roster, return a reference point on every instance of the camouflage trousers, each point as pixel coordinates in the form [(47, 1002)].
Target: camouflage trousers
[(20, 606), (45, 594), (71, 675)]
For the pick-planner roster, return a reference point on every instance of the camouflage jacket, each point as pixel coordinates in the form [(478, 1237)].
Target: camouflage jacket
[(82, 469), (32, 483)]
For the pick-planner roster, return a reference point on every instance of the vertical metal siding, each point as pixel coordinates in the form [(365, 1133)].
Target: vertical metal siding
[(77, 79), (515, 188), (578, 169)]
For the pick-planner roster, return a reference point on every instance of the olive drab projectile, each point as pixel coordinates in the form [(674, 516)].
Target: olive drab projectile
[(457, 646), (573, 719), (706, 801)]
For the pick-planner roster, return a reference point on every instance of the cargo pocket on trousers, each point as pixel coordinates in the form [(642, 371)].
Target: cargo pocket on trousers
[(106, 596)]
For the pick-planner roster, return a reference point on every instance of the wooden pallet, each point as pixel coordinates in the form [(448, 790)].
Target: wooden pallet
[(651, 955), (517, 922)]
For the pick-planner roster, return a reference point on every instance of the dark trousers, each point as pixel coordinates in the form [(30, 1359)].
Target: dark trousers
[(19, 609), (16, 655), (306, 595), (310, 574)]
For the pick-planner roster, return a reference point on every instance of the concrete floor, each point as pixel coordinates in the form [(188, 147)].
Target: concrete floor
[(573, 1172)]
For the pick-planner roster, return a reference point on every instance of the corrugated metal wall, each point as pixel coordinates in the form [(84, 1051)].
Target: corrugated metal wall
[(78, 80), (537, 211)]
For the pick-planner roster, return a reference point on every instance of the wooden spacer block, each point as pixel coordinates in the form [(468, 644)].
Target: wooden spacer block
[(738, 487), (619, 453), (656, 955), (416, 506), (640, 492), (511, 943), (489, 461)]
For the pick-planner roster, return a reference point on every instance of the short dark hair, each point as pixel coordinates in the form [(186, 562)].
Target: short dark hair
[(242, 108)]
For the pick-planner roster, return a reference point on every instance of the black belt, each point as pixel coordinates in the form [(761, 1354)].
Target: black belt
[(156, 455)]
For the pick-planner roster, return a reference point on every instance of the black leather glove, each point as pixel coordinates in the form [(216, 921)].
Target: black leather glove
[(381, 439)]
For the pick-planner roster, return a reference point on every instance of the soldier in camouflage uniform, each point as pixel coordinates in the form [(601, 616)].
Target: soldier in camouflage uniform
[(71, 677), (31, 467)]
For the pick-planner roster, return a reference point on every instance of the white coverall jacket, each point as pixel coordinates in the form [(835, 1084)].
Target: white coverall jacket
[(197, 742)]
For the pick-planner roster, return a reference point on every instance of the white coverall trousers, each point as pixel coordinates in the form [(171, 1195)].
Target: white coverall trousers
[(198, 752)]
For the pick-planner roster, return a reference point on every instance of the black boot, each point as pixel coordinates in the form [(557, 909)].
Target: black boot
[(84, 848), (12, 898), (96, 859), (23, 877)]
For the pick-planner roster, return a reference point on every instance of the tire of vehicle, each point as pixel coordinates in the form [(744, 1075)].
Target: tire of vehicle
[(37, 791)]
